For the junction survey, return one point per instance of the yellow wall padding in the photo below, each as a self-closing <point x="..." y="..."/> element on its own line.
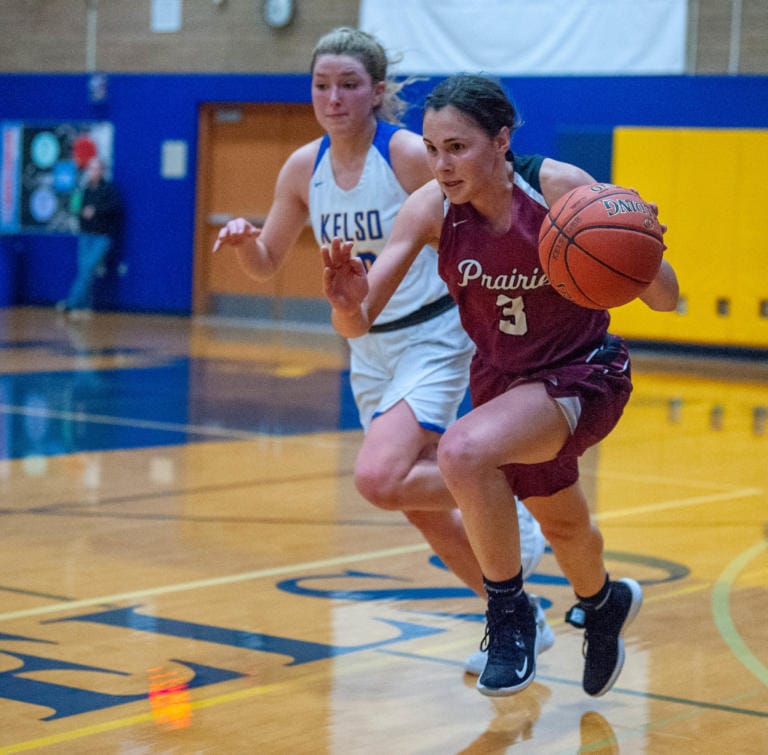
<point x="709" y="185"/>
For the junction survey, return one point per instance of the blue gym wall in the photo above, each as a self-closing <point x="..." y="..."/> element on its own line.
<point x="566" y="117"/>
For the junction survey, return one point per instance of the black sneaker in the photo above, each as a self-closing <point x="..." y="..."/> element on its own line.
<point x="511" y="641"/>
<point x="603" y="645"/>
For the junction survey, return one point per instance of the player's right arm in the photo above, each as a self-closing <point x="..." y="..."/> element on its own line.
<point x="664" y="292"/>
<point x="357" y="299"/>
<point x="558" y="178"/>
<point x="261" y="251"/>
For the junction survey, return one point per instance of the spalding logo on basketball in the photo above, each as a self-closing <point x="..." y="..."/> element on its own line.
<point x="601" y="245"/>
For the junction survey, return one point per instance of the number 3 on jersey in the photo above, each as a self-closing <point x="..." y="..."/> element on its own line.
<point x="513" y="322"/>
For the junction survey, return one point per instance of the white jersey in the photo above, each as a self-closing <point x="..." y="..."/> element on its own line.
<point x="365" y="214"/>
<point x="426" y="363"/>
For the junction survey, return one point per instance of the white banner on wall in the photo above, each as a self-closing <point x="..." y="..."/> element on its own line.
<point x="531" y="37"/>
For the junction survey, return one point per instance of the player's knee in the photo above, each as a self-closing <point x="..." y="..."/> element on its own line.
<point x="378" y="487"/>
<point x="458" y="457"/>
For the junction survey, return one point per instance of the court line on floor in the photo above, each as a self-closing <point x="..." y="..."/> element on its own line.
<point x="292" y="568"/>
<point x="726" y="580"/>
<point x="228" y="697"/>
<point x="317" y="439"/>
<point x="626" y="691"/>
<point x="121" y="723"/>
<point x="143" y="424"/>
<point x="722" y="612"/>
<point x="213" y="581"/>
<point x="660" y="480"/>
<point x="680" y="503"/>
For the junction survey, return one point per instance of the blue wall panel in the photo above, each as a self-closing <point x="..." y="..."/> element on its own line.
<point x="148" y="109"/>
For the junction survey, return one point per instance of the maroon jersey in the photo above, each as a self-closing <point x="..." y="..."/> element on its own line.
<point x="518" y="322"/>
<point x="526" y="332"/>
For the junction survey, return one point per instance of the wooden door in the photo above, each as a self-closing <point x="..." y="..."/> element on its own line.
<point x="241" y="150"/>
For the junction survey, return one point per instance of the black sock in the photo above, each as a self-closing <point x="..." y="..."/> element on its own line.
<point x="509" y="588"/>
<point x="596" y="601"/>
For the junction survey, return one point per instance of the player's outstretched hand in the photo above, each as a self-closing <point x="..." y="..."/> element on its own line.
<point x="235" y="233"/>
<point x="345" y="282"/>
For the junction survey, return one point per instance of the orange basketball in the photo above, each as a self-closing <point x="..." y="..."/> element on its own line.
<point x="601" y="245"/>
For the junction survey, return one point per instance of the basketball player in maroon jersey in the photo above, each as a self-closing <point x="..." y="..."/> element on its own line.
<point x="548" y="381"/>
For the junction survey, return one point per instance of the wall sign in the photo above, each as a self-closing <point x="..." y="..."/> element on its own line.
<point x="41" y="173"/>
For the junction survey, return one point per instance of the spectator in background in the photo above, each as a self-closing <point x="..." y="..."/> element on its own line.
<point x="100" y="215"/>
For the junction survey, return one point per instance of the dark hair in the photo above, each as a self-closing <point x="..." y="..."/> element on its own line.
<point x="345" y="40"/>
<point x="480" y="98"/>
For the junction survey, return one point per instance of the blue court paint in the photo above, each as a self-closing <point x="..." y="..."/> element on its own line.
<point x="299" y="651"/>
<point x="162" y="401"/>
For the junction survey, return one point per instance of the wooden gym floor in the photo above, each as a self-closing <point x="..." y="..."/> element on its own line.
<point x="187" y="568"/>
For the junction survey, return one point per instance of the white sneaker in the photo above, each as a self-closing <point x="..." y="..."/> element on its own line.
<point x="475" y="663"/>
<point x="532" y="542"/>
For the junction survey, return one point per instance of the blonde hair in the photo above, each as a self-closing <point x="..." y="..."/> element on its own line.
<point x="344" y="40"/>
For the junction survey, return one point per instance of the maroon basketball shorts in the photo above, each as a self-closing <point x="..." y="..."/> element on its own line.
<point x="600" y="383"/>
